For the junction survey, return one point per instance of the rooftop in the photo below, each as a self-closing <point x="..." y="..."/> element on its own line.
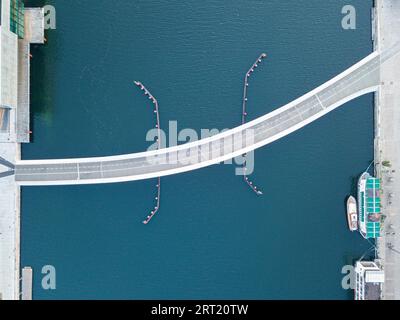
<point x="372" y="291"/>
<point x="371" y="208"/>
<point x="34" y="25"/>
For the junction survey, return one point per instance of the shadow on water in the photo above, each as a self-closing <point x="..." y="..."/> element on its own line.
<point x="42" y="88"/>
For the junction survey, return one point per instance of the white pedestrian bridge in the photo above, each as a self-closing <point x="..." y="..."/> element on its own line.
<point x="360" y="79"/>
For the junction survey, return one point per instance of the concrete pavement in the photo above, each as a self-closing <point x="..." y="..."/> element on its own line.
<point x="9" y="226"/>
<point x="388" y="144"/>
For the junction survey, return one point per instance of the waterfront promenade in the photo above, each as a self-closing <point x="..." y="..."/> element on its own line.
<point x="9" y="227"/>
<point x="387" y="144"/>
<point x="15" y="129"/>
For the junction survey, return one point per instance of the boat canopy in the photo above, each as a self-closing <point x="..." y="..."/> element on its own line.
<point x="371" y="207"/>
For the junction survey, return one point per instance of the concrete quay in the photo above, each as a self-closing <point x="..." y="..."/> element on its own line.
<point x="387" y="141"/>
<point x="9" y="227"/>
<point x="19" y="27"/>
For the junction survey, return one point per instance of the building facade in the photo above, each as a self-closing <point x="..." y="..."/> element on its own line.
<point x="369" y="280"/>
<point x="9" y="72"/>
<point x="15" y="66"/>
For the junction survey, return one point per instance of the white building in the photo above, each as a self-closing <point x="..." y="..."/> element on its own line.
<point x="19" y="27"/>
<point x="369" y="280"/>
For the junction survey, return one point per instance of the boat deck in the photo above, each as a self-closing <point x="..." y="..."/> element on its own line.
<point x="371" y="207"/>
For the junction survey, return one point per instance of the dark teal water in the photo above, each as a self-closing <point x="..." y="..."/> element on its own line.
<point x="213" y="238"/>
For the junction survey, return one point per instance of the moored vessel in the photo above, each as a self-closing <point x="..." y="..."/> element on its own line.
<point x="369" y="206"/>
<point x="352" y="218"/>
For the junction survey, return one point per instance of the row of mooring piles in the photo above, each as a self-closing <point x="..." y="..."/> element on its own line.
<point x="157" y="125"/>
<point x="244" y="118"/>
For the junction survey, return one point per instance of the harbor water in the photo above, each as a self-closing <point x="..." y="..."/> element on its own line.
<point x="213" y="237"/>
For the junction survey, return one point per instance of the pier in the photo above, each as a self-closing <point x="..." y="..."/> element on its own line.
<point x="244" y="117"/>
<point x="158" y="126"/>
<point x="19" y="28"/>
<point x="27" y="278"/>
<point x="386" y="26"/>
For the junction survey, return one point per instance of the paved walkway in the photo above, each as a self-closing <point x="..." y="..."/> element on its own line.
<point x="9" y="225"/>
<point x="388" y="145"/>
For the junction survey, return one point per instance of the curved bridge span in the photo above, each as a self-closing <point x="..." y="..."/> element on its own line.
<point x="360" y="79"/>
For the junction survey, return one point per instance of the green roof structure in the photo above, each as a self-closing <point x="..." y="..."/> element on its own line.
<point x="371" y="207"/>
<point x="17" y="24"/>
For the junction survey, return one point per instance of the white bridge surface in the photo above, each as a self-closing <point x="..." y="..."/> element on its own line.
<point x="360" y="79"/>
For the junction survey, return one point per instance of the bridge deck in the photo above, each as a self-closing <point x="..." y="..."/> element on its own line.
<point x="359" y="79"/>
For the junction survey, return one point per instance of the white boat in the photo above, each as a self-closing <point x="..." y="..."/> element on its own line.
<point x="352" y="218"/>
